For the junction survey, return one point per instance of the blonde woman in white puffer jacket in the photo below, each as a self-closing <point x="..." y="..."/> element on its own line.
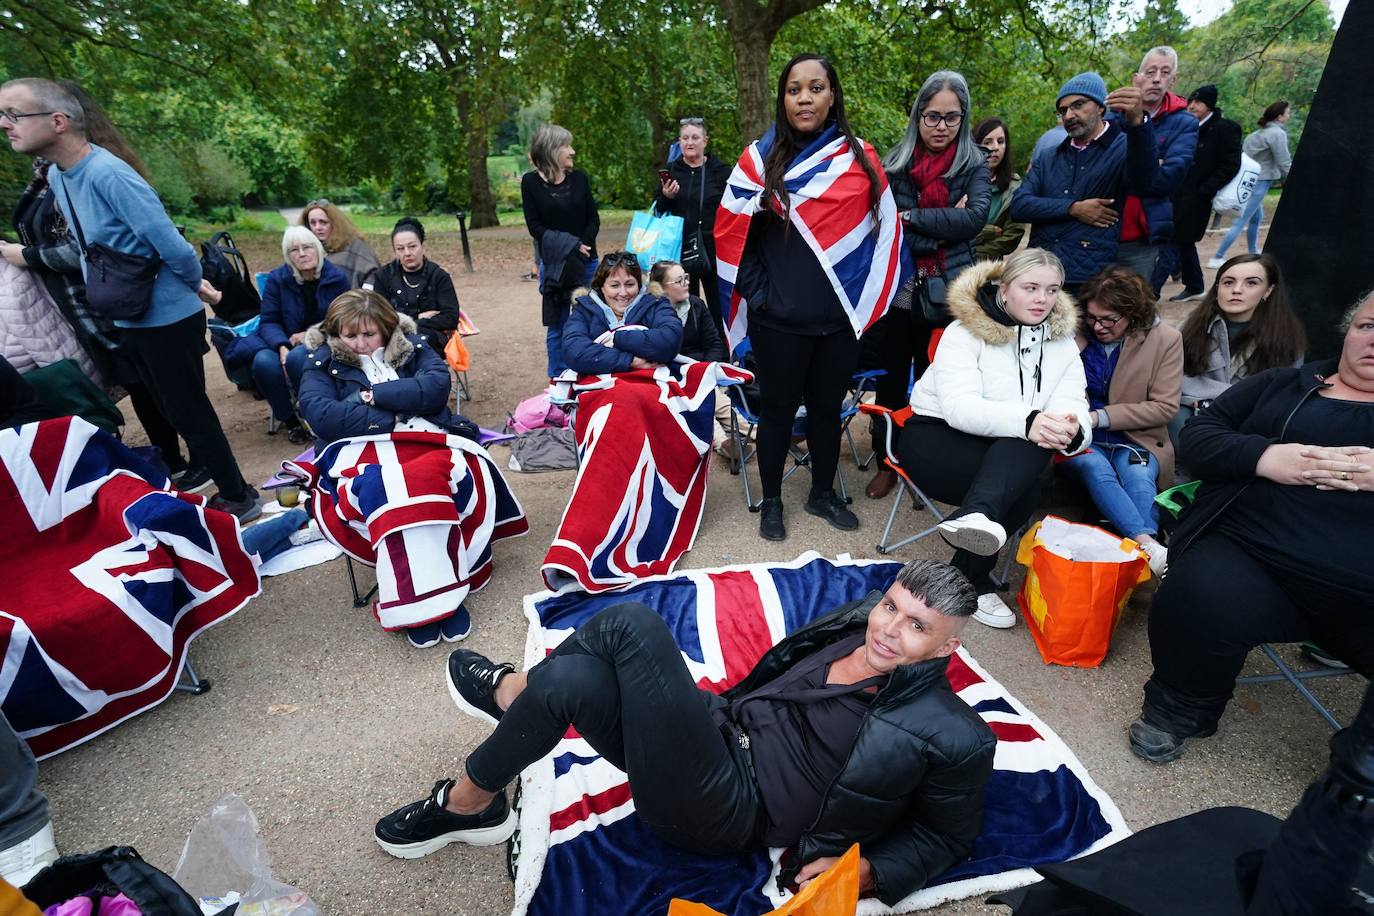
<point x="1004" y="393"/>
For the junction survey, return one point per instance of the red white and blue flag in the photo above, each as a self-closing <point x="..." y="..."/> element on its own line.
<point x="108" y="577"/>
<point x="644" y="452"/>
<point x="584" y="852"/>
<point x="830" y="202"/>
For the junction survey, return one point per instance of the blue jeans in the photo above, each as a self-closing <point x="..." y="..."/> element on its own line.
<point x="1123" y="489"/>
<point x="267" y="375"/>
<point x="553" y="343"/>
<point x="1249" y="220"/>
<point x="273" y="536"/>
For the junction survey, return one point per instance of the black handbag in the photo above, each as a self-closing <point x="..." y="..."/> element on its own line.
<point x="933" y="296"/>
<point x="695" y="257"/>
<point x="119" y="285"/>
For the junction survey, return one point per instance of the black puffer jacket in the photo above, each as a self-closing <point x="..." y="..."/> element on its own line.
<point x="911" y="793"/>
<point x="952" y="227"/>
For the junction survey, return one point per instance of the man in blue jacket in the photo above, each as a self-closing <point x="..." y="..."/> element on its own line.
<point x="118" y="209"/>
<point x="1075" y="190"/>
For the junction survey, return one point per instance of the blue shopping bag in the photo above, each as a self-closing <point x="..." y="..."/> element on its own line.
<point x="655" y="238"/>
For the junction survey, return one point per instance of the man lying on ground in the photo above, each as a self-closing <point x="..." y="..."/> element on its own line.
<point x="845" y="732"/>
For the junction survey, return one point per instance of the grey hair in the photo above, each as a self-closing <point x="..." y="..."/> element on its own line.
<point x="544" y="147"/>
<point x="1027" y="259"/>
<point x="1349" y="317"/>
<point x="1162" y="51"/>
<point x="967" y="154"/>
<point x="50" y="96"/>
<point x="300" y="235"/>
<point x="941" y="587"/>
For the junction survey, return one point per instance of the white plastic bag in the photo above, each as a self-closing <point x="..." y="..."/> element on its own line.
<point x="1232" y="198"/>
<point x="1083" y="543"/>
<point x="223" y="861"/>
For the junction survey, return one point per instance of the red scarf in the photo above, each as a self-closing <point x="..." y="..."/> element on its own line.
<point x="931" y="193"/>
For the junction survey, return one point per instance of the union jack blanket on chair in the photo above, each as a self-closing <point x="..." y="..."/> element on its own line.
<point x="829" y="196"/>
<point x="644" y="451"/>
<point x="424" y="508"/>
<point x="108" y="576"/>
<point x="582" y="851"/>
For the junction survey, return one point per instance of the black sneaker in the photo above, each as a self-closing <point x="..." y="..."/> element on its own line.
<point x="296" y="433"/>
<point x="1158" y="746"/>
<point x="1188" y="295"/>
<point x="472" y="680"/>
<point x="771" y="527"/>
<point x="1322" y="656"/>
<point x="424" y="826"/>
<point x="245" y="509"/>
<point x="834" y="510"/>
<point x="193" y="479"/>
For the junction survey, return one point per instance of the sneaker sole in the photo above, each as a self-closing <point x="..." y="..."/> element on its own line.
<point x="997" y="623"/>
<point x="479" y="836"/>
<point x="209" y="482"/>
<point x="250" y="515"/>
<point x="974" y="540"/>
<point x="833" y="522"/>
<point x="422" y="645"/>
<point x="463" y="704"/>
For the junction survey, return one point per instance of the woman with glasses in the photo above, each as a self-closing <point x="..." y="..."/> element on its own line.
<point x="417" y="287"/>
<point x="563" y="220"/>
<point x="701" y="338"/>
<point x="343" y="243"/>
<point x="1133" y="363"/>
<point x="941" y="186"/>
<point x="695" y="183"/>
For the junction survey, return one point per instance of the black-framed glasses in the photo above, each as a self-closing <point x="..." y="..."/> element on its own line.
<point x="933" y="118"/>
<point x="15" y="117"/>
<point x="1105" y="323"/>
<point x="1075" y="107"/>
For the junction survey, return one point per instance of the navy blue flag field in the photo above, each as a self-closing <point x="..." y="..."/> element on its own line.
<point x="584" y="852"/>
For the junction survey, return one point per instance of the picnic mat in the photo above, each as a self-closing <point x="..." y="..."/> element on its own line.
<point x="581" y="851"/>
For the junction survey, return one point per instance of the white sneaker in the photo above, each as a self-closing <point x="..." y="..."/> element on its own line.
<point x="307" y="535"/>
<point x="993" y="612"/>
<point x="20" y="862"/>
<point x="1214" y="263"/>
<point x="975" y="533"/>
<point x="1159" y="558"/>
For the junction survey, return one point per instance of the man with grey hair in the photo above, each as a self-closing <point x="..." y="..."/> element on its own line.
<point x="846" y="730"/>
<point x="1147" y="219"/>
<point x="115" y="213"/>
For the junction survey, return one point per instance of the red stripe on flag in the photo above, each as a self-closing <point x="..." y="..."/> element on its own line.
<point x="1014" y="731"/>
<point x="600" y="803"/>
<point x="741" y="625"/>
<point x="960" y="675"/>
<point x="49" y="446"/>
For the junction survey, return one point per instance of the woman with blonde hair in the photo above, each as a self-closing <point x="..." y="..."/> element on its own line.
<point x="344" y="245"/>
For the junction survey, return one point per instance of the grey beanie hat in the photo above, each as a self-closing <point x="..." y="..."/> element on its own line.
<point x="1089" y="84"/>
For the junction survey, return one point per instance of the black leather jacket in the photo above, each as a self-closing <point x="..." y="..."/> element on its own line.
<point x="911" y="793"/>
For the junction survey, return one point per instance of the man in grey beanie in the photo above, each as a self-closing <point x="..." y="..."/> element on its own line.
<point x="1074" y="192"/>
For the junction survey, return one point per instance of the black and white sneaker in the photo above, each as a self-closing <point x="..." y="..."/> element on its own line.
<point x="425" y="826"/>
<point x="472" y="681"/>
<point x="193" y="479"/>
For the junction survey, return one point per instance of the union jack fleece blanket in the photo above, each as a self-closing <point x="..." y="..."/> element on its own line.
<point x="108" y="576"/>
<point x="829" y="196"/>
<point x="644" y="451"/>
<point x="422" y="507"/>
<point x="581" y="851"/>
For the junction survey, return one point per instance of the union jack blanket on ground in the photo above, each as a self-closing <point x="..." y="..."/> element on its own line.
<point x="422" y="507"/>
<point x="829" y="195"/>
<point x="108" y="576"/>
<point x="583" y="852"/>
<point x="644" y="450"/>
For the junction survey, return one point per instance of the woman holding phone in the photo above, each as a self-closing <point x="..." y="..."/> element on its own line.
<point x="691" y="187"/>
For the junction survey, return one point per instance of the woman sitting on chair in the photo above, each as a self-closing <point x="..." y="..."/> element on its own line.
<point x="701" y="338"/>
<point x="417" y="287"/>
<point x="1275" y="548"/>
<point x="1134" y="366"/>
<point x="1004" y="392"/>
<point x="376" y="394"/>
<point x="343" y="244"/>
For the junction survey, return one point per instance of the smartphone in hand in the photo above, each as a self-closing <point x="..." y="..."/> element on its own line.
<point x="664" y="176"/>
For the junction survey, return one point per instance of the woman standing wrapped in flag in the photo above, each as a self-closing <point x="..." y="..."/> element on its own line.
<point x="810" y="254"/>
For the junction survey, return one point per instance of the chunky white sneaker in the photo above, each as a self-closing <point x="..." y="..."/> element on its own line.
<point x="20" y="862"/>
<point x="1214" y="263"/>
<point x="1159" y="558"/>
<point x="993" y="612"/>
<point x="975" y="533"/>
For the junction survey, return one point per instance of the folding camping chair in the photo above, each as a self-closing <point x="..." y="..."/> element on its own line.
<point x="459" y="359"/>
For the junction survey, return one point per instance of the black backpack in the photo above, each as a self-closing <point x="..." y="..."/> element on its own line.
<point x="224" y="266"/>
<point x="111" y="871"/>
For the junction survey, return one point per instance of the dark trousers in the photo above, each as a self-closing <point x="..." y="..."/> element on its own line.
<point x="898" y="344"/>
<point x="159" y="429"/>
<point x="169" y="361"/>
<point x="997" y="477"/>
<point x="707" y="286"/>
<point x="1189" y="267"/>
<point x="621" y="682"/>
<point x="23" y="809"/>
<point x="797" y="369"/>
<point x="1217" y="603"/>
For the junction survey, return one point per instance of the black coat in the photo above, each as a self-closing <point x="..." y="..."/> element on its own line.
<point x="701" y="338"/>
<point x="911" y="792"/>
<point x="688" y="204"/>
<point x="1215" y="162"/>
<point x="951" y="228"/>
<point x="436" y="294"/>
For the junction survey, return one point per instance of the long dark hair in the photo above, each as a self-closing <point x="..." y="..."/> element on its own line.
<point x="1273" y="111"/>
<point x="101" y="130"/>
<point x="1274" y="336"/>
<point x="1005" y="171"/>
<point x="787" y="141"/>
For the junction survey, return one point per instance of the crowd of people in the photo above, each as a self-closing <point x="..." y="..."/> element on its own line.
<point x="1015" y="316"/>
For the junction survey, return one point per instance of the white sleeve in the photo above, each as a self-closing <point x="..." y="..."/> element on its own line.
<point x="959" y="391"/>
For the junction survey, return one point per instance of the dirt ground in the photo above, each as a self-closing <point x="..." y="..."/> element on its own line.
<point x="323" y="723"/>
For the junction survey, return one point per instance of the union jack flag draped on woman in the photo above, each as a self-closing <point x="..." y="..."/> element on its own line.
<point x="831" y="208"/>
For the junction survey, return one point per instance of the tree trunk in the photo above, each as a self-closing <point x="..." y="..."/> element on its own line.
<point x="753" y="24"/>
<point x="476" y="129"/>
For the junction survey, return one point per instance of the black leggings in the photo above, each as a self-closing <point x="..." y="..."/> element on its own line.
<point x="621" y="682"/>
<point x="1217" y="603"/>
<point x="796" y="369"/>
<point x="997" y="477"/>
<point x="896" y="344"/>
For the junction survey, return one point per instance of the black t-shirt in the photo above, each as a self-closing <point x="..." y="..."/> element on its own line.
<point x="1317" y="540"/>
<point x="801" y="731"/>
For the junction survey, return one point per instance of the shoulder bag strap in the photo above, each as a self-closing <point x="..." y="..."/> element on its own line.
<point x="76" y="223"/>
